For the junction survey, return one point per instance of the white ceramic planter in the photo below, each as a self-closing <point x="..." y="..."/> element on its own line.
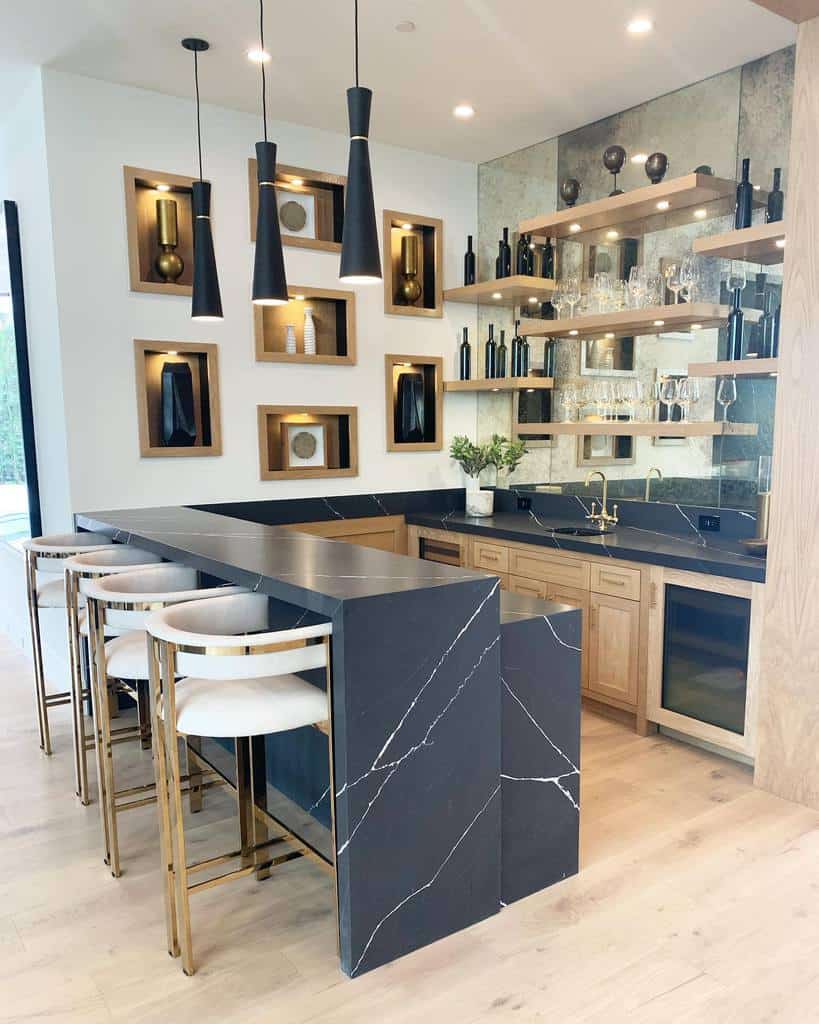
<point x="479" y="503"/>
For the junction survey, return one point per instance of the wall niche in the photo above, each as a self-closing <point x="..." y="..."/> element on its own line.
<point x="413" y="257"/>
<point x="297" y="442"/>
<point x="310" y="203"/>
<point x="333" y="317"/>
<point x="160" y="231"/>
<point x="415" y="408"/>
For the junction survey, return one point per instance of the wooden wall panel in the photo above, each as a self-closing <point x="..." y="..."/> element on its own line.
<point x="787" y="760"/>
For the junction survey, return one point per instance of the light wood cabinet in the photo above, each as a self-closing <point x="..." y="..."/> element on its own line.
<point x="492" y="557"/>
<point x="387" y="533"/>
<point x="614" y="648"/>
<point x="564" y="571"/>
<point x="616" y="581"/>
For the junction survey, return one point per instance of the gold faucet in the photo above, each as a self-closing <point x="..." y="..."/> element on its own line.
<point x="602" y="518"/>
<point x="659" y="472"/>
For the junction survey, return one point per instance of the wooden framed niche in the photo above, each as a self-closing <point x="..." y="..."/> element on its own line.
<point x="334" y="319"/>
<point x="142" y="190"/>
<point x="428" y="259"/>
<point x="202" y="360"/>
<point x="321" y="198"/>
<point x="415" y="403"/>
<point x="333" y="428"/>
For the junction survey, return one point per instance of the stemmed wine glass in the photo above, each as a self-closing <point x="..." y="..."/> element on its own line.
<point x="637" y="287"/>
<point x="672" y="280"/>
<point x="690" y="275"/>
<point x="727" y="395"/>
<point x="688" y="393"/>
<point x="737" y="280"/>
<point x="559" y="299"/>
<point x="571" y="399"/>
<point x="654" y="398"/>
<point x="572" y="293"/>
<point x="668" y="394"/>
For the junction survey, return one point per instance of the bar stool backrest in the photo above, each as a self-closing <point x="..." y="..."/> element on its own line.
<point x="50" y="553"/>
<point x="109" y="561"/>
<point x="126" y="599"/>
<point x="227" y="638"/>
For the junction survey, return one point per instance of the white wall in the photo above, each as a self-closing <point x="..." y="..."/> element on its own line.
<point x="92" y="130"/>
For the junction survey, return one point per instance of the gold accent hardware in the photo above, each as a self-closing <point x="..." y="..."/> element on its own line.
<point x="601" y="518"/>
<point x="659" y="472"/>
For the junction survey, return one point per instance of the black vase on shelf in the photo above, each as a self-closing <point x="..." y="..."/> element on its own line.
<point x="490" y="356"/>
<point x="409" y="408"/>
<point x="613" y="159"/>
<point x="500" y="356"/>
<point x="745" y="198"/>
<point x="655" y="167"/>
<point x="469" y="262"/>
<point x="735" y="328"/>
<point x="465" y="358"/>
<point x="176" y="393"/>
<point x="570" y="191"/>
<point x="776" y="199"/>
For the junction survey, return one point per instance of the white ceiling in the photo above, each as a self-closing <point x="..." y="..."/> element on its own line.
<point x="531" y="68"/>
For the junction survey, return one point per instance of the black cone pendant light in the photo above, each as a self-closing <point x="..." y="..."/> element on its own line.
<point x="269" y="282"/>
<point x="360" y="257"/>
<point x="207" y="302"/>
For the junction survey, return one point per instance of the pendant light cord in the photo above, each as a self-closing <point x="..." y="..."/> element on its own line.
<point x="264" y="80"/>
<point x="356" y="43"/>
<point x="198" y="120"/>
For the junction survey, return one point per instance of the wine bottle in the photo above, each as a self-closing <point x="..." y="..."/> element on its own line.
<point x="525" y="353"/>
<point x="469" y="262"/>
<point x="549" y="358"/>
<point x="745" y="198"/>
<point x="522" y="256"/>
<point x="499" y="260"/>
<point x="776" y="199"/>
<point x="768" y="324"/>
<point x="547" y="265"/>
<point x="530" y="256"/>
<point x="465" y="357"/>
<point x="547" y="311"/>
<point x="514" y="366"/>
<point x="735" y="328"/>
<point x="490" y="358"/>
<point x="507" y="254"/>
<point x="500" y="357"/>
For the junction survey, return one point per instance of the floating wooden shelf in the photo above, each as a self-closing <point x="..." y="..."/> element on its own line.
<point x="297" y="442"/>
<point x="505" y="385"/>
<point x="635" y="213"/>
<point x="415" y="407"/>
<point x="320" y="193"/>
<point x="203" y="398"/>
<point x="623" y="428"/>
<point x="517" y="290"/>
<point x="334" y="319"/>
<point x="428" y="233"/>
<point x="630" y="322"/>
<point x="735" y="368"/>
<point x="760" y="243"/>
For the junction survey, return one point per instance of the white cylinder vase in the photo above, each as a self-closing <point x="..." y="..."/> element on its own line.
<point x="309" y="332"/>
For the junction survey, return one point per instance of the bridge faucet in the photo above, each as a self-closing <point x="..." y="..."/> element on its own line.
<point x="602" y="518"/>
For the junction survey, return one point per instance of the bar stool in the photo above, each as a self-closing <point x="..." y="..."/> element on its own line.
<point x="45" y="588"/>
<point x="120" y="604"/>
<point x="238" y="683"/>
<point x="79" y="569"/>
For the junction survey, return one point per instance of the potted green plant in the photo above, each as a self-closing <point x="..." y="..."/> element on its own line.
<point x="505" y="456"/>
<point x="474" y="458"/>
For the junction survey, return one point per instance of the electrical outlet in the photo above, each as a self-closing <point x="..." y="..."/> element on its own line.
<point x="524" y="504"/>
<point x="709" y="523"/>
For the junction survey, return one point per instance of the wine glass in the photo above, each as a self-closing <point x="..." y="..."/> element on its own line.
<point x="672" y="280"/>
<point x="570" y="399"/>
<point x="727" y="395"/>
<point x="690" y="275"/>
<point x="737" y="279"/>
<point x="654" y="288"/>
<point x="688" y="391"/>
<point x="637" y="287"/>
<point x="638" y="399"/>
<point x="572" y="293"/>
<point x="668" y="394"/>
<point x="559" y="298"/>
<point x="654" y="398"/>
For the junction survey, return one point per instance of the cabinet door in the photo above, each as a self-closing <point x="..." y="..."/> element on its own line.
<point x="528" y="588"/>
<point x="614" y="638"/>
<point x="577" y="599"/>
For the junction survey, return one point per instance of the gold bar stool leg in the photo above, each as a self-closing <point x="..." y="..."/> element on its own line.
<point x="195" y="791"/>
<point x="143" y="714"/>
<point x="258" y="799"/>
<point x="98" y="711"/>
<point x="77" y="717"/>
<point x="106" y="748"/>
<point x="37" y="651"/>
<point x="175" y="784"/>
<point x="244" y="798"/>
<point x="162" y="800"/>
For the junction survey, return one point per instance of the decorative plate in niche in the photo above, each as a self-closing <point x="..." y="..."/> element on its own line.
<point x="304" y="445"/>
<point x="293" y="215"/>
<point x="297" y="213"/>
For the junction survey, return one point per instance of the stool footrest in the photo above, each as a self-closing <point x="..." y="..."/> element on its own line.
<point x="212" y="862"/>
<point x="250" y="869"/>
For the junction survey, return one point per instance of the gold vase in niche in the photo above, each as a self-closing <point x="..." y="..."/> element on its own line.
<point x="169" y="264"/>
<point x="409" y="289"/>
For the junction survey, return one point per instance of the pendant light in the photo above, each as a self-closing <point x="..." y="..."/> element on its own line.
<point x="269" y="281"/>
<point x="207" y="302"/>
<point x="360" y="257"/>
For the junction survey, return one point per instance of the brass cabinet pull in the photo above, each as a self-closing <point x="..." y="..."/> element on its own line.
<point x="616" y="580"/>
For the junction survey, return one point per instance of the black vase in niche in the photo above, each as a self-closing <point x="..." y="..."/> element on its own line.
<point x="656" y="166"/>
<point x="409" y="408"/>
<point x="613" y="159"/>
<point x="176" y="393"/>
<point x="570" y="191"/>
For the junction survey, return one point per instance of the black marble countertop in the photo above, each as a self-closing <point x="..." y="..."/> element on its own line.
<point x="314" y="572"/>
<point x="629" y="543"/>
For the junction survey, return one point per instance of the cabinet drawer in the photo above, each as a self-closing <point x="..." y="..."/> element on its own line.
<point x="490" y="556"/>
<point x="565" y="572"/>
<point x="616" y="581"/>
<point x="528" y="588"/>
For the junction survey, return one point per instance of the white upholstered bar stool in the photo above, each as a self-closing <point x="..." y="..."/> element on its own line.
<point x="218" y="671"/>
<point x="121" y="604"/>
<point x="79" y="569"/>
<point x="45" y="559"/>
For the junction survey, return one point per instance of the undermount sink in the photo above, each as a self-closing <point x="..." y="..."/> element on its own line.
<point x="581" y="531"/>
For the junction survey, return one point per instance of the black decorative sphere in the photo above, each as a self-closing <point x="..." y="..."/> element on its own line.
<point x="656" y="166"/>
<point x="570" y="191"/>
<point x="614" y="158"/>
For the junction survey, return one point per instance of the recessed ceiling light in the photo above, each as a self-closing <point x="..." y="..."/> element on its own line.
<point x="297" y="181"/>
<point x="610" y="334"/>
<point x="757" y="188"/>
<point x="299" y="298"/>
<point x="639" y="26"/>
<point x="530" y="391"/>
<point x="171" y="352"/>
<point x="696" y="327"/>
<point x="780" y="243"/>
<point x="663" y="204"/>
<point x="659" y="323"/>
<point x="533" y="299"/>
<point x="573" y="333"/>
<point x="700" y="214"/>
<point x="163" y="188"/>
<point x="574" y="228"/>
<point x="464" y="111"/>
<point x="405" y="26"/>
<point x="496" y="389"/>
<point x="639" y="158"/>
<point x="406" y="227"/>
<point x="257" y="55"/>
<point x="612" y="234"/>
<point x="496" y="295"/>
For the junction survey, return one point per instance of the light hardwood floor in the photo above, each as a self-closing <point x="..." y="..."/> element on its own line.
<point x="698" y="900"/>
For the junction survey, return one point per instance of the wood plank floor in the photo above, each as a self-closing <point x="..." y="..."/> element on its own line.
<point x="698" y="900"/>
